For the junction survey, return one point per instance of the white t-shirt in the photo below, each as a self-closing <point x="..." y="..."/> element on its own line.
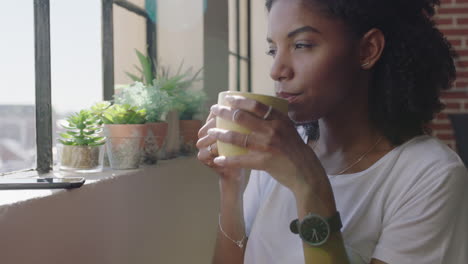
<point x="411" y="207"/>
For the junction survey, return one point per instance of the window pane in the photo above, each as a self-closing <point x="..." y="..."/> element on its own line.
<point x="180" y="34"/>
<point x="75" y="56"/>
<point x="17" y="110"/>
<point x="129" y="34"/>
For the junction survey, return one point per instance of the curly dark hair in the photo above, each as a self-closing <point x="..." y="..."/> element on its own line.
<point x="416" y="65"/>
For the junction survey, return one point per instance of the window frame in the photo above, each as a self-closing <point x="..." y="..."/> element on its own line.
<point x="248" y="38"/>
<point x="42" y="51"/>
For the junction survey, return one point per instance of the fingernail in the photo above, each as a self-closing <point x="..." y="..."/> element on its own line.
<point x="219" y="160"/>
<point x="214" y="109"/>
<point x="229" y="99"/>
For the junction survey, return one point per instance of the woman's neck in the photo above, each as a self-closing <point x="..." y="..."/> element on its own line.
<point x="346" y="138"/>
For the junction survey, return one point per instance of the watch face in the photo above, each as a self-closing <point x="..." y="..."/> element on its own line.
<point x="314" y="230"/>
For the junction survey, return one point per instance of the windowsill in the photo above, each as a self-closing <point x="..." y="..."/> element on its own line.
<point x="8" y="197"/>
<point x="146" y="215"/>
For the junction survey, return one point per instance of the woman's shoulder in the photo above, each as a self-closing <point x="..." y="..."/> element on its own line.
<point x="426" y="149"/>
<point x="425" y="160"/>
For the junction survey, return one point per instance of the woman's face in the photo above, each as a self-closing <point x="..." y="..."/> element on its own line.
<point x="316" y="62"/>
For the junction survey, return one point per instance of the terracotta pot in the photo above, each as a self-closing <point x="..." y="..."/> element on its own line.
<point x="189" y="135"/>
<point x="124" y="145"/>
<point x="172" y="146"/>
<point x="154" y="142"/>
<point x="157" y="130"/>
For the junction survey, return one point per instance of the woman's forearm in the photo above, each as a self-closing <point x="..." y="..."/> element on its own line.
<point x="332" y="252"/>
<point x="232" y="223"/>
<point x="323" y="204"/>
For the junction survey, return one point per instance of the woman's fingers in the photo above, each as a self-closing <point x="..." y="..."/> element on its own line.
<point x="253" y="160"/>
<point x="252" y="141"/>
<point x="258" y="109"/>
<point x="210" y="122"/>
<point x="208" y="142"/>
<point x="239" y="116"/>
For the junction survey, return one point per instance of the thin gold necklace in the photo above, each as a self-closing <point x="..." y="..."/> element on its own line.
<point x="359" y="159"/>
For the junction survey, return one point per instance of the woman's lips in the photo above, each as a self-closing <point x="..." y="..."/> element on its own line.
<point x="291" y="97"/>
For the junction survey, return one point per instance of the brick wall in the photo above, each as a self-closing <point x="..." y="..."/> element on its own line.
<point x="452" y="19"/>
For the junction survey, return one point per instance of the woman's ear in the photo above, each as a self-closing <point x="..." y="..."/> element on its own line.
<point x="371" y="48"/>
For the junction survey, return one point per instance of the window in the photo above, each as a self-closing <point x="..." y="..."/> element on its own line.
<point x="76" y="61"/>
<point x="59" y="58"/>
<point x="17" y="102"/>
<point x="240" y="73"/>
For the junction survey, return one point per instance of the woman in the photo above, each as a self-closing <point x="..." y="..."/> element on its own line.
<point x="363" y="80"/>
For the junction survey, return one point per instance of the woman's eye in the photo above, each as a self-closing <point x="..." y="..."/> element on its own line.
<point x="271" y="52"/>
<point x="302" y="46"/>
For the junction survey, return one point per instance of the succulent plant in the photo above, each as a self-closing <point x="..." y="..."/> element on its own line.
<point x="147" y="69"/>
<point x="124" y="114"/>
<point x="156" y="101"/>
<point x="159" y="79"/>
<point x="98" y="110"/>
<point x="192" y="102"/>
<point x="82" y="129"/>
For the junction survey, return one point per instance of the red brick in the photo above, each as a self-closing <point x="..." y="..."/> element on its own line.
<point x="462" y="53"/>
<point x="444" y="21"/>
<point x="461" y="1"/>
<point x="462" y="64"/>
<point x="456" y="42"/>
<point x="453" y="10"/>
<point x="462" y="21"/>
<point x="452" y="95"/>
<point x="466" y="105"/>
<point x="460" y="85"/>
<point x="441" y="126"/>
<point x="455" y="32"/>
<point x="445" y="136"/>
<point x="452" y="106"/>
<point x="462" y="74"/>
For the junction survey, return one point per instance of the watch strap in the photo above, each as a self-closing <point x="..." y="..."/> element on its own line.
<point x="334" y="222"/>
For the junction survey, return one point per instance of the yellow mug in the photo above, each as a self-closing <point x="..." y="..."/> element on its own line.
<point x="226" y="149"/>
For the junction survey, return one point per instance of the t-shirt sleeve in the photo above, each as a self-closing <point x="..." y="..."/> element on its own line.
<point x="424" y="226"/>
<point x="252" y="200"/>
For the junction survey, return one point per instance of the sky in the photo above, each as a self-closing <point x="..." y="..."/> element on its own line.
<point x="76" y="53"/>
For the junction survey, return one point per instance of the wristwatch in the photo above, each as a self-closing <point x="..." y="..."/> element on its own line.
<point x="314" y="229"/>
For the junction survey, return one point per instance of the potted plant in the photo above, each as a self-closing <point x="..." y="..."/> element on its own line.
<point x="98" y="110"/>
<point x="155" y="102"/>
<point x="178" y="102"/>
<point x="125" y="131"/>
<point x="81" y="148"/>
<point x="193" y="106"/>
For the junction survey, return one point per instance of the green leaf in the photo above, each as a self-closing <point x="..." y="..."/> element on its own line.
<point x="66" y="135"/>
<point x="89" y="133"/>
<point x="95" y="144"/>
<point x="133" y="77"/>
<point x="68" y="143"/>
<point x="99" y="139"/>
<point x="146" y="66"/>
<point x="139" y="70"/>
<point x="72" y="133"/>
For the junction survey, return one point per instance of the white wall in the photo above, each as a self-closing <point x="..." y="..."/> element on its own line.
<point x="163" y="214"/>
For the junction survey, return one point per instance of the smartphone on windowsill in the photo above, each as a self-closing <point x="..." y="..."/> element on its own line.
<point x="41" y="183"/>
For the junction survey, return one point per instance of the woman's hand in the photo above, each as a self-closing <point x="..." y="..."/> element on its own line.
<point x="274" y="144"/>
<point x="208" y="150"/>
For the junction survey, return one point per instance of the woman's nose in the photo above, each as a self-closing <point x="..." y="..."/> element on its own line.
<point x="281" y="69"/>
